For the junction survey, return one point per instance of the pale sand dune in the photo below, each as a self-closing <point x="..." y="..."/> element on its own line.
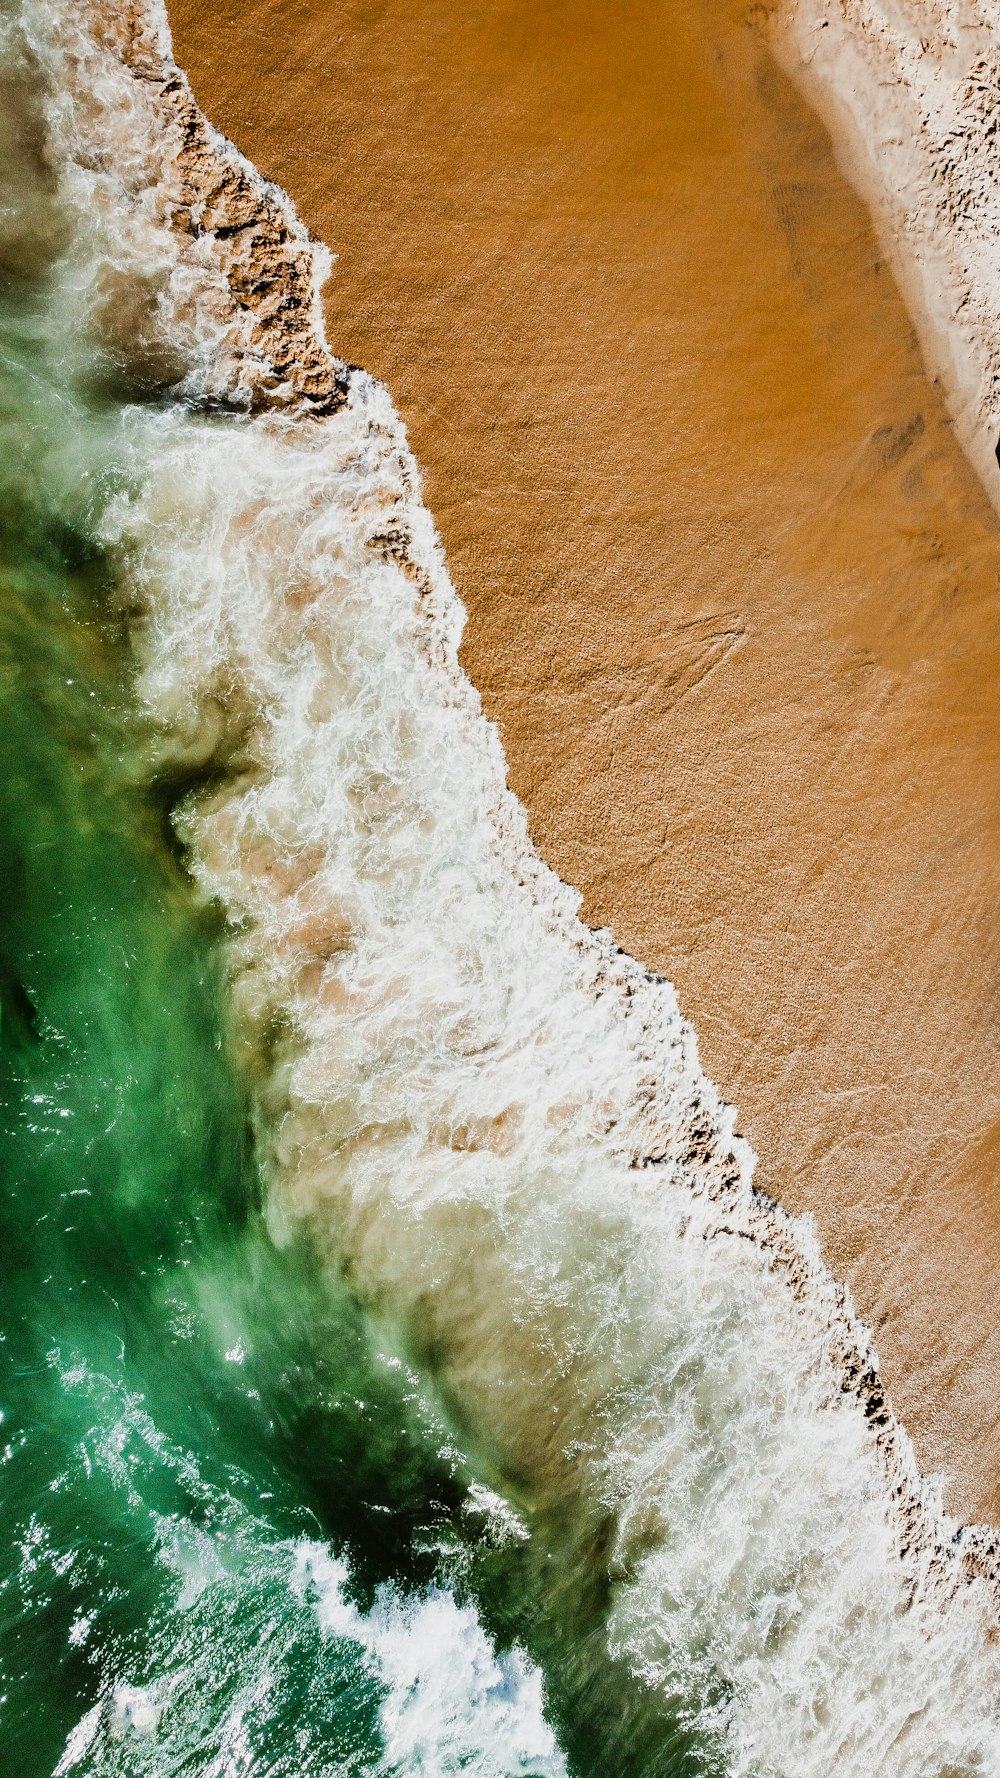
<point x="733" y="588"/>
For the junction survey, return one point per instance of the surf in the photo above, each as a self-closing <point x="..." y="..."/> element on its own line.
<point x="481" y="1115"/>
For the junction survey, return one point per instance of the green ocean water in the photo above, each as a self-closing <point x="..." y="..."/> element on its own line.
<point x="133" y="1254"/>
<point x="141" y="1464"/>
<point x="245" y="1530"/>
<point x="195" y="1424"/>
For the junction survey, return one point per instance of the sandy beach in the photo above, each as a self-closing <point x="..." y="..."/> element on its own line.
<point x="909" y="98"/>
<point x="732" y="585"/>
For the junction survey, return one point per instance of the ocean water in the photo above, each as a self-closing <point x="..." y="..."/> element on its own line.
<point x="236" y="1536"/>
<point x="400" y="1373"/>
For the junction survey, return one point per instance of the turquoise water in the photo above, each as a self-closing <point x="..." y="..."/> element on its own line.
<point x="181" y="1402"/>
<point x="196" y="1424"/>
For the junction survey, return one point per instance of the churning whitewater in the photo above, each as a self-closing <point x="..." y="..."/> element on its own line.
<point x="488" y="1119"/>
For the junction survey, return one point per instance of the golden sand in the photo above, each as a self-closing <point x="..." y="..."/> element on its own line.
<point x="732" y="586"/>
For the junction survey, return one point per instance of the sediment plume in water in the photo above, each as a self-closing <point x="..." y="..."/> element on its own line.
<point x="487" y="1117"/>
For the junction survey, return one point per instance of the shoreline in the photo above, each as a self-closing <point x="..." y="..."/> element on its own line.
<point x="784" y="677"/>
<point x="553" y="1069"/>
<point x="488" y="1119"/>
<point x="941" y="1553"/>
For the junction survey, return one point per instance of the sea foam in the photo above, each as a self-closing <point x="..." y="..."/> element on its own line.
<point x="246" y="1605"/>
<point x="490" y="1118"/>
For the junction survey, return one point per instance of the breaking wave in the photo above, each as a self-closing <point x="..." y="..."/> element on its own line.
<point x="488" y="1118"/>
<point x="410" y="1685"/>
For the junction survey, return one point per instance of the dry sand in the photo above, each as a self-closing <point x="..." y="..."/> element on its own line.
<point x="732" y="585"/>
<point x="910" y="94"/>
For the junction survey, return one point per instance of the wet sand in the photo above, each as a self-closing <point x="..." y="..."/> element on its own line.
<point x="732" y="586"/>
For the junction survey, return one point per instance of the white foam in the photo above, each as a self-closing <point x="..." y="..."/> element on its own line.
<point x="451" y="1703"/>
<point x="79" y="1741"/>
<point x="495" y="1122"/>
<point x="216" y="1652"/>
<point x="447" y="1702"/>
